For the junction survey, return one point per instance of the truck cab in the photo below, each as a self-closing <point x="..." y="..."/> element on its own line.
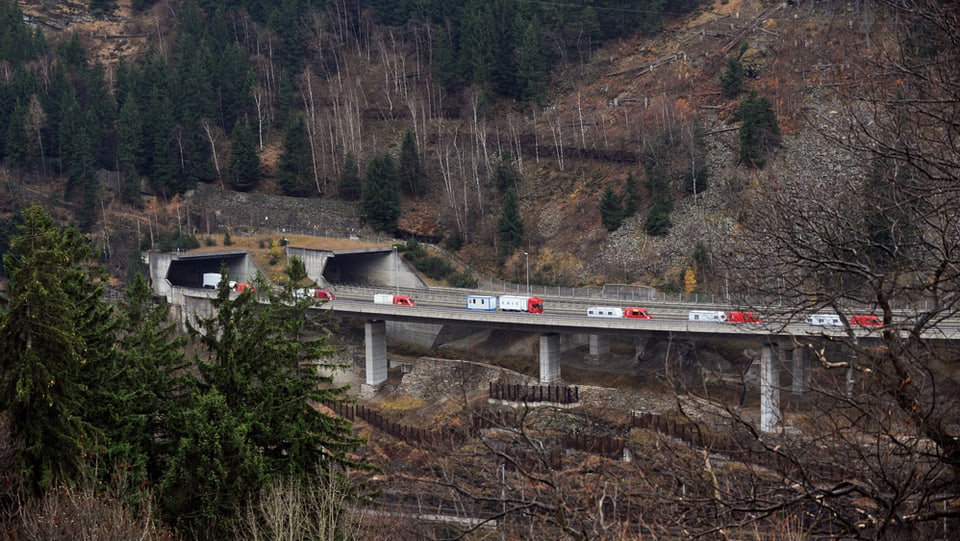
<point x="634" y="312"/>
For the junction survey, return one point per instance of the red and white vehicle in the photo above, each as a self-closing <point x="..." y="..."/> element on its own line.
<point x="311" y="293"/>
<point x="400" y="300"/>
<point x="513" y="303"/>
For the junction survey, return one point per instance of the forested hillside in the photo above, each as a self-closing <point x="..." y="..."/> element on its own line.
<point x="428" y="108"/>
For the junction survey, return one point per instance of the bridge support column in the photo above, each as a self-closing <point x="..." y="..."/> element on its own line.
<point x="599" y="344"/>
<point x="769" y="389"/>
<point x="549" y="357"/>
<point x="375" y="342"/>
<point x="801" y="370"/>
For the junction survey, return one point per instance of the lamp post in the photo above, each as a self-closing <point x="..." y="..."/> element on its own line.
<point x="526" y="258"/>
<point x="396" y="268"/>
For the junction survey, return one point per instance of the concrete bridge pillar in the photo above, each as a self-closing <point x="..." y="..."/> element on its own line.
<point x="375" y="342"/>
<point x="770" y="420"/>
<point x="549" y="357"/>
<point x="801" y="370"/>
<point x="599" y="344"/>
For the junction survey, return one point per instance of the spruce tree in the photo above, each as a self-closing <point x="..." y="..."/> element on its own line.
<point x="381" y="195"/>
<point x="731" y="78"/>
<point x="45" y="339"/>
<point x="147" y="384"/>
<point x="531" y="64"/>
<point x="759" y="131"/>
<point x="244" y="167"/>
<point x="510" y="226"/>
<point x="295" y="160"/>
<point x="130" y="148"/>
<point x="611" y="209"/>
<point x="253" y="413"/>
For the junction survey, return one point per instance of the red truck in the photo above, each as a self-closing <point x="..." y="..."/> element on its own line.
<point x="636" y="313"/>
<point x="401" y="300"/>
<point x="743" y="317"/>
<point x="865" y="320"/>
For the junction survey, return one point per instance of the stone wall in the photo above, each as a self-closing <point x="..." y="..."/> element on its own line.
<point x="433" y="377"/>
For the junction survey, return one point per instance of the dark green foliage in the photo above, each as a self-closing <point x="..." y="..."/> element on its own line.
<point x="531" y="63"/>
<point x="658" y="222"/>
<point x="611" y="209"/>
<point x="510" y="226"/>
<point x="176" y="241"/>
<point x="244" y="168"/>
<point x="17" y="42"/>
<point x="15" y="141"/>
<point x="213" y="468"/>
<point x="251" y="415"/>
<point x="381" y="195"/>
<point x="53" y="288"/>
<point x="444" y="63"/>
<point x="433" y="266"/>
<point x="145" y="389"/>
<point x="227" y="238"/>
<point x="102" y="7"/>
<point x="412" y="180"/>
<point x="130" y="147"/>
<point x="759" y="132"/>
<point x="731" y="78"/>
<point x="295" y="170"/>
<point x="350" y="185"/>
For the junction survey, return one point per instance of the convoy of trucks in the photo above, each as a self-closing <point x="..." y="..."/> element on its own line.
<point x="534" y="305"/>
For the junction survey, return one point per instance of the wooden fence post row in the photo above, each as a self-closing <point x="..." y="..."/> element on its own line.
<point x="534" y="393"/>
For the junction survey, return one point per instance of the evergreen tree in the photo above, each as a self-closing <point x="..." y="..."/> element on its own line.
<point x="254" y="415"/>
<point x="130" y="148"/>
<point x="611" y="209"/>
<point x="213" y="468"/>
<point x="731" y="78"/>
<point x="381" y="194"/>
<point x="244" y="167"/>
<point x="411" y="171"/>
<point x="658" y="222"/>
<point x="759" y="131"/>
<point x="478" y="43"/>
<point x="531" y="64"/>
<point x="45" y="347"/>
<point x="17" y="43"/>
<point x="443" y="64"/>
<point x="147" y="384"/>
<point x="510" y="225"/>
<point x="15" y="141"/>
<point x="350" y="185"/>
<point x="295" y="171"/>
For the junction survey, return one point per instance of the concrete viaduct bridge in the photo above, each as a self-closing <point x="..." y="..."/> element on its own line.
<point x="440" y="315"/>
